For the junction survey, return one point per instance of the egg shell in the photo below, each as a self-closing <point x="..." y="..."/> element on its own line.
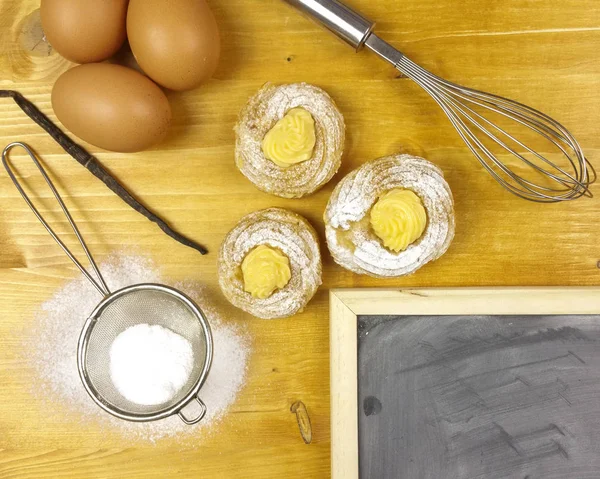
<point x="84" y="31"/>
<point x="111" y="106"/>
<point x="175" y="42"/>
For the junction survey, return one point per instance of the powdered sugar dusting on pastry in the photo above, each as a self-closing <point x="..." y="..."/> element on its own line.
<point x="351" y="240"/>
<point x="290" y="233"/>
<point x="261" y="113"/>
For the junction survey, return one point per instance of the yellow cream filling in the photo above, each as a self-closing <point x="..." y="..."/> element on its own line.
<point x="292" y="139"/>
<point x="398" y="219"/>
<point x="265" y="269"/>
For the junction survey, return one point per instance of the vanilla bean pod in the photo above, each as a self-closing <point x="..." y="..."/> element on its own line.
<point x="91" y="163"/>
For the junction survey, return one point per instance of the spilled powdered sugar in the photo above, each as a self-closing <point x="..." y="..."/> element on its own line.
<point x="52" y="349"/>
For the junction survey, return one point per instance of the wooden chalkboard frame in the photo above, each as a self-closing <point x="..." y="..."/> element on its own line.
<point x="347" y="304"/>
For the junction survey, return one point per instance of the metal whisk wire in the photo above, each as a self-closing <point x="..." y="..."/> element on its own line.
<point x="455" y="101"/>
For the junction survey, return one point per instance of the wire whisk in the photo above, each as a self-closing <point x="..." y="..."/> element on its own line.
<point x="559" y="181"/>
<point x="484" y="121"/>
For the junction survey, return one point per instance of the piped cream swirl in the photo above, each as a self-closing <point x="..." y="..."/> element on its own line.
<point x="265" y="269"/>
<point x="398" y="218"/>
<point x="291" y="140"/>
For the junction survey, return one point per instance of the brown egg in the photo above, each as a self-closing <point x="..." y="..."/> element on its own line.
<point x="111" y="106"/>
<point x="84" y="31"/>
<point x="176" y="43"/>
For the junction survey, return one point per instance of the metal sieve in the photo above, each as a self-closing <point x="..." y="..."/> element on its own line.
<point x="152" y="304"/>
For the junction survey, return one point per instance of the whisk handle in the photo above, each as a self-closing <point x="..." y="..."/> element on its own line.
<point x="347" y="24"/>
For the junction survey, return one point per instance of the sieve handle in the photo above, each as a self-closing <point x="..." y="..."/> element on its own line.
<point x="99" y="284"/>
<point x="198" y="418"/>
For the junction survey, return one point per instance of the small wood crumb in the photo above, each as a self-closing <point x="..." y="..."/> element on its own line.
<point x="303" y="421"/>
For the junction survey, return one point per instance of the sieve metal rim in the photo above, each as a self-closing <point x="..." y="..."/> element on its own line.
<point x="165" y="412"/>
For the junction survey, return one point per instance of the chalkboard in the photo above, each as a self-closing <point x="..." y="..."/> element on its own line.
<point x="467" y="397"/>
<point x="466" y="383"/>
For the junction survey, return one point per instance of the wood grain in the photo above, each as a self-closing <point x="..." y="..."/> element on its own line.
<point x="543" y="55"/>
<point x="344" y="387"/>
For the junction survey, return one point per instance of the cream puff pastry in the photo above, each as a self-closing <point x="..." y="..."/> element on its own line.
<point x="390" y="217"/>
<point x="270" y="263"/>
<point x="289" y="139"/>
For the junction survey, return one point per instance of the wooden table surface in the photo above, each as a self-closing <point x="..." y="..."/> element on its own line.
<point x="543" y="53"/>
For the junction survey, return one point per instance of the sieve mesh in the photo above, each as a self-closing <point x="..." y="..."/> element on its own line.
<point x="142" y="304"/>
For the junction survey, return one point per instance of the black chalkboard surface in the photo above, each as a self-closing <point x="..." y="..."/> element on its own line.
<point x="457" y="383"/>
<point x="467" y="397"/>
